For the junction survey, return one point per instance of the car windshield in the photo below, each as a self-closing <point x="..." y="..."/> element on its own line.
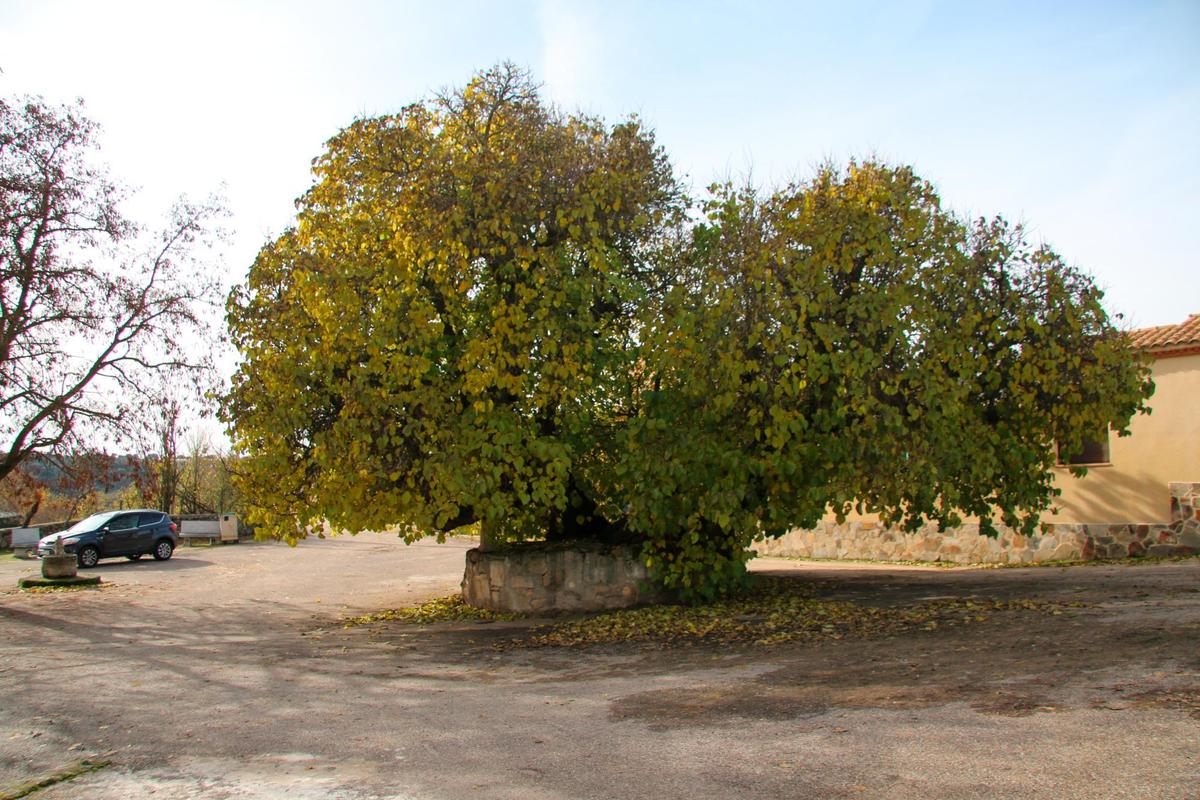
<point x="91" y="523"/>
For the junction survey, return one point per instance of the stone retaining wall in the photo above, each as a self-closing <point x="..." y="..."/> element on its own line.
<point x="538" y="577"/>
<point x="965" y="545"/>
<point x="1185" y="502"/>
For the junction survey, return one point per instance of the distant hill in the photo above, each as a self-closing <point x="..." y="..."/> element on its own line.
<point x="113" y="474"/>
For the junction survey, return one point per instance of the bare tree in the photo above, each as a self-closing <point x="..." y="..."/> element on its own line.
<point x="97" y="318"/>
<point x="157" y="474"/>
<point x="198" y="444"/>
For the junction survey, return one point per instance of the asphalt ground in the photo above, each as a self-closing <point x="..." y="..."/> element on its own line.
<point x="226" y="673"/>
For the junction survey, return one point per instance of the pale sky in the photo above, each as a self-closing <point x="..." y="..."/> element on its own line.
<point x="1081" y="119"/>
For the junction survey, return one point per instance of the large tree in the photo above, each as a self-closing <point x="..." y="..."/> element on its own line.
<point x="96" y="316"/>
<point x="848" y="344"/>
<point x="489" y="311"/>
<point x="448" y="331"/>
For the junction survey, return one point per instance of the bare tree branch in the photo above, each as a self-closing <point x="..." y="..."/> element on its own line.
<point x="91" y="316"/>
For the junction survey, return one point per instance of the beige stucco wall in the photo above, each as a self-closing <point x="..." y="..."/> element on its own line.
<point x="1164" y="446"/>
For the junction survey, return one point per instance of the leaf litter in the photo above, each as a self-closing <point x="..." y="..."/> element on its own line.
<point x="772" y="611"/>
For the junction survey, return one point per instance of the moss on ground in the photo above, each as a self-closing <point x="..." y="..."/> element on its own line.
<point x="20" y="554"/>
<point x="68" y="773"/>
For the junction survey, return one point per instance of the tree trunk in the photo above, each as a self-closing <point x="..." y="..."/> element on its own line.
<point x="33" y="509"/>
<point x="581" y="519"/>
<point x="487" y="535"/>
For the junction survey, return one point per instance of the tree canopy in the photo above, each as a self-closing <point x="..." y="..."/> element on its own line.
<point x="489" y="311"/>
<point x="846" y="344"/>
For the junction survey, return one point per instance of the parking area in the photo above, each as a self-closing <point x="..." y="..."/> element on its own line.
<point x="354" y="572"/>
<point x="226" y="673"/>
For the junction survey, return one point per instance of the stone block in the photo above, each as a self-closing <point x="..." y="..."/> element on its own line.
<point x="1022" y="556"/>
<point x="535" y="578"/>
<point x="63" y="566"/>
<point x="1065" y="551"/>
<point x="521" y="580"/>
<point x="538" y="565"/>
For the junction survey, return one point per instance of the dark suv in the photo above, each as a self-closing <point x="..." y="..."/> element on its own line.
<point x="132" y="534"/>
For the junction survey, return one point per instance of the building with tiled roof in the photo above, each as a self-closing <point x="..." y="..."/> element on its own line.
<point x="1169" y="340"/>
<point x="1140" y="496"/>
<point x="1128" y="475"/>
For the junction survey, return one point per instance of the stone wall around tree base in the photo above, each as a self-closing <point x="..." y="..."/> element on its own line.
<point x="872" y="541"/>
<point x="537" y="577"/>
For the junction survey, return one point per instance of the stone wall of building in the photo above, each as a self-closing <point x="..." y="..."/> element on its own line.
<point x="965" y="545"/>
<point x="536" y="577"/>
<point x="1185" y="503"/>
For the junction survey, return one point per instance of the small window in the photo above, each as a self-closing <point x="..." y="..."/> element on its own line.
<point x="1092" y="452"/>
<point x="151" y="518"/>
<point x="123" y="522"/>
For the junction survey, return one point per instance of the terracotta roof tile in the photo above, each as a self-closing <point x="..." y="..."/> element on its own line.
<point x="1163" y="338"/>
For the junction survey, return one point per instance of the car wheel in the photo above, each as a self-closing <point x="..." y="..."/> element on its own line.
<point x="163" y="550"/>
<point x="88" y="556"/>
<point x="135" y="556"/>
